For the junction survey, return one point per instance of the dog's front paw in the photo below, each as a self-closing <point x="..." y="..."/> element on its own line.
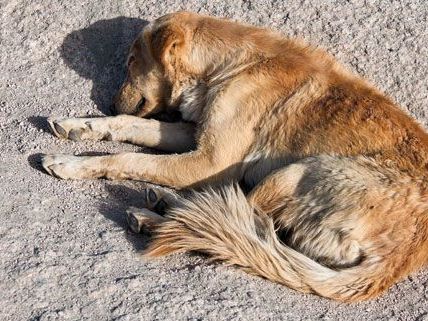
<point x="78" y="129"/>
<point x="66" y="166"/>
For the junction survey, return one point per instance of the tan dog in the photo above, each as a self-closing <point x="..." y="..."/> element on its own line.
<point x="339" y="199"/>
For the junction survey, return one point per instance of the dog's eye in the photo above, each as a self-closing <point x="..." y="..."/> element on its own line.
<point x="141" y="104"/>
<point x="130" y="60"/>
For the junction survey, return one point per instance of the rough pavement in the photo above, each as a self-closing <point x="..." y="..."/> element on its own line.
<point x="64" y="250"/>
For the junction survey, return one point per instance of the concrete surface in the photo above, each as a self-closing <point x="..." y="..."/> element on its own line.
<point x="64" y="250"/>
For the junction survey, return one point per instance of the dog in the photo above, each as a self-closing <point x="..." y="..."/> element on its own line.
<point x="336" y="200"/>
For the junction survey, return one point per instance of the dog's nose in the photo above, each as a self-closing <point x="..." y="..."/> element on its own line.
<point x="112" y="109"/>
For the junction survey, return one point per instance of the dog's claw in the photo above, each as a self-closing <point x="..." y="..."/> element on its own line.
<point x="152" y="197"/>
<point x="60" y="130"/>
<point x="133" y="222"/>
<point x="45" y="164"/>
<point x="56" y="129"/>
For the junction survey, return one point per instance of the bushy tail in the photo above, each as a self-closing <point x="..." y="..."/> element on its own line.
<point x="223" y="225"/>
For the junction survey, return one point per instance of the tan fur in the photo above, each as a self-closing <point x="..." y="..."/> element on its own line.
<point x="339" y="199"/>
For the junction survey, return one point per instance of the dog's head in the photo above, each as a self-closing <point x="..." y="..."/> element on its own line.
<point x="172" y="53"/>
<point x="155" y="66"/>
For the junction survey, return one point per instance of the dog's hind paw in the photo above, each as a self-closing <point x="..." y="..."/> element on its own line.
<point x="142" y="220"/>
<point x="159" y="199"/>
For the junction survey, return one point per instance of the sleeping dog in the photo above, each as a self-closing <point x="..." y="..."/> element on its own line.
<point x="337" y="173"/>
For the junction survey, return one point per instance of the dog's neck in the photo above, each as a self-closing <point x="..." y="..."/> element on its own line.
<point x="193" y="95"/>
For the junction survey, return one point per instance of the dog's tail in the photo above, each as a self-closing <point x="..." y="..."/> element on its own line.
<point x="223" y="225"/>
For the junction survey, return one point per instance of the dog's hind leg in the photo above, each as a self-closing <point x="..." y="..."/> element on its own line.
<point x="314" y="205"/>
<point x="170" y="137"/>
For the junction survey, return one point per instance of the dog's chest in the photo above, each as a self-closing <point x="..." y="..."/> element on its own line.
<point x="192" y="103"/>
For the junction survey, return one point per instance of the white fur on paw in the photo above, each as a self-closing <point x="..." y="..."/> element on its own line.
<point x="64" y="166"/>
<point x="76" y="129"/>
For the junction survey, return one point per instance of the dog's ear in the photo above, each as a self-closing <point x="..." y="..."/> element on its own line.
<point x="167" y="43"/>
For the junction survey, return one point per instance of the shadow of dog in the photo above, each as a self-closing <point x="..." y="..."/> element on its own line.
<point x="98" y="52"/>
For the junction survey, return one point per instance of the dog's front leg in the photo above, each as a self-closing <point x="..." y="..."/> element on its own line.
<point x="221" y="148"/>
<point x="169" y="137"/>
<point x="226" y="136"/>
<point x="182" y="170"/>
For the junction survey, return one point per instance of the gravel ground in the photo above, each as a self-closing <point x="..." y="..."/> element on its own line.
<point x="65" y="251"/>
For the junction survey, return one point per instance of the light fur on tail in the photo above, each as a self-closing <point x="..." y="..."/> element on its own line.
<point x="222" y="224"/>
